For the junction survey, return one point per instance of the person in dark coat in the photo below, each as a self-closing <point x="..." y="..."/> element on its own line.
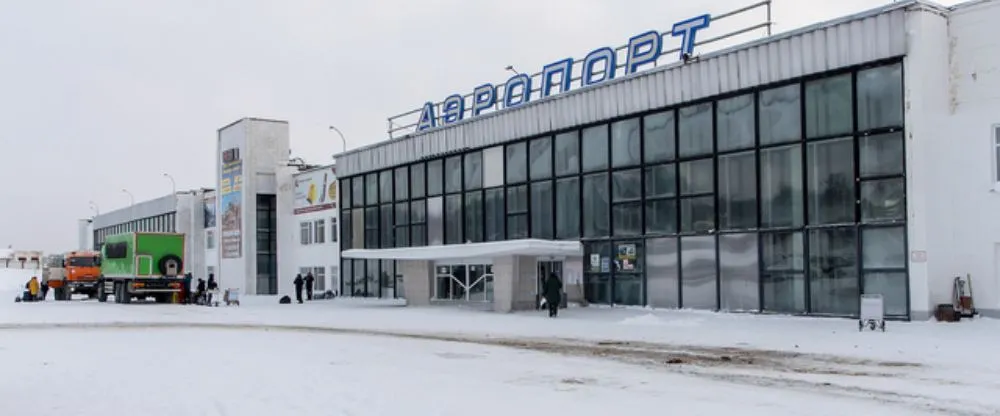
<point x="199" y="291"/>
<point x="310" y="280"/>
<point x="553" y="294"/>
<point x="212" y="287"/>
<point x="187" y="288"/>
<point x="298" y="287"/>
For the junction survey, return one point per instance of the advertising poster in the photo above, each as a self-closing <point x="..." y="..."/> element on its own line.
<point x="315" y="191"/>
<point x="209" y="206"/>
<point x="230" y="193"/>
<point x="626" y="257"/>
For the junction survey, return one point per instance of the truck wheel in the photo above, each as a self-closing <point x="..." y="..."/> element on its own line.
<point x="101" y="295"/>
<point x="170" y="265"/>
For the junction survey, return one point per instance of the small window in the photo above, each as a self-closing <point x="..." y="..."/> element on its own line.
<point x="319" y="273"/>
<point x="209" y="240"/>
<point x="305" y="233"/>
<point x="319" y="229"/>
<point x="333" y="230"/>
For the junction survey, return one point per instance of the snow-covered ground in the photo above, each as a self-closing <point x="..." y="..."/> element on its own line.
<point x="366" y="357"/>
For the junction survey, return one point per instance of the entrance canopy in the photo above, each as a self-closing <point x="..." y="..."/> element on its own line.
<point x="526" y="247"/>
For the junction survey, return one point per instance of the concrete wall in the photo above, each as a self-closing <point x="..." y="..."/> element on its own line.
<point x="953" y="190"/>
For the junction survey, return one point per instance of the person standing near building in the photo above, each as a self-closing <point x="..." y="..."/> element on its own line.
<point x="33" y="288"/>
<point x="553" y="294"/>
<point x="310" y="281"/>
<point x="298" y="287"/>
<point x="212" y="287"/>
<point x="45" y="286"/>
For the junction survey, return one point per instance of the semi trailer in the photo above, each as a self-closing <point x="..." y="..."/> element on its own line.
<point x="139" y="265"/>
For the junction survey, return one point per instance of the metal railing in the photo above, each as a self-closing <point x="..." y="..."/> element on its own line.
<point x="394" y="122"/>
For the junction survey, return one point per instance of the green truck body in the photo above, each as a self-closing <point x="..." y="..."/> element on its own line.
<point x="134" y="265"/>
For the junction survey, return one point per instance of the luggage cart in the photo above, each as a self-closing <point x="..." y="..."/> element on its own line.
<point x="872" y="312"/>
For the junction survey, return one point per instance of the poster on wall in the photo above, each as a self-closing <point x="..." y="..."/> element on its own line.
<point x="230" y="192"/>
<point x="626" y="257"/>
<point x="315" y="191"/>
<point x="209" y="207"/>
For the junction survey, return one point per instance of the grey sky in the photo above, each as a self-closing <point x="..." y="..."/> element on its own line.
<point x="108" y="94"/>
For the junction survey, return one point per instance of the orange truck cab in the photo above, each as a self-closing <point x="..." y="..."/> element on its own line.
<point x="81" y="272"/>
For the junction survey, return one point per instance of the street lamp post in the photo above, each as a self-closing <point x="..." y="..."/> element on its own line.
<point x="342" y="139"/>
<point x="173" y="184"/>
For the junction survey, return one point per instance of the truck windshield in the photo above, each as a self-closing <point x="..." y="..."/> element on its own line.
<point x="82" y="262"/>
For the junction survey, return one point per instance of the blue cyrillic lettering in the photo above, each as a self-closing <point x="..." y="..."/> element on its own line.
<point x="427" y="119"/>
<point x="607" y="55"/>
<point x="453" y="109"/>
<point x="564" y="68"/>
<point x="687" y="31"/>
<point x="483" y="98"/>
<point x="517" y="82"/>
<point x="642" y="49"/>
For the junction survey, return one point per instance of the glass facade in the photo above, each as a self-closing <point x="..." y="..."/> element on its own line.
<point x="787" y="198"/>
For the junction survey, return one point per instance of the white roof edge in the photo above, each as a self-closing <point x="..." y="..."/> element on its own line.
<point x="534" y="247"/>
<point x="773" y="38"/>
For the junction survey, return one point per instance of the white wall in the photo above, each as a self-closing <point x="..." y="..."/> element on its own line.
<point x="953" y="99"/>
<point x="263" y="148"/>
<point x="296" y="206"/>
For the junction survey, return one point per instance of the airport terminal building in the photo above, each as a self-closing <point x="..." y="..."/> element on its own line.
<point x="788" y="175"/>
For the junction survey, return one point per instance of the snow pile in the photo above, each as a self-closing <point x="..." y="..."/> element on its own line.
<point x="650" y="319"/>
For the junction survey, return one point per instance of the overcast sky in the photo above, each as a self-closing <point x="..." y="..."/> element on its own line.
<point x="102" y="95"/>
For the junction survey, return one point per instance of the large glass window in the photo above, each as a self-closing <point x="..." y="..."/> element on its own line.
<point x="738" y="191"/>
<point x="517" y="212"/>
<point x="474" y="170"/>
<point x="435" y="177"/>
<point x="695" y="128"/>
<point x="474" y="216"/>
<point x="494" y="207"/>
<point x="629" y="259"/>
<point x="883" y="200"/>
<point x="829" y="107"/>
<point x="881" y="154"/>
<point x="884" y="267"/>
<point x="402" y="221"/>
<point x="781" y="200"/>
<point x="371" y="189"/>
<point x="541" y="210"/>
<point x="625" y="143"/>
<point x="385" y="186"/>
<point x="659" y="139"/>
<point x="371" y="227"/>
<point x="402" y="184"/>
<point x="567" y="153"/>
<point x="540" y="153"/>
<point x="780" y="114"/>
<point x="833" y="275"/>
<point x="595" y="148"/>
<point x="735" y="120"/>
<point x="386" y="226"/>
<point x="831" y="181"/>
<point x="625" y="195"/>
<point x="345" y="196"/>
<point x="453" y="219"/>
<point x="357" y="191"/>
<point x="417" y="178"/>
<point x="697" y="205"/>
<point x="596" y="218"/>
<point x="783" y="272"/>
<point x="453" y="174"/>
<point x="880" y="97"/>
<point x="568" y="208"/>
<point x="516" y="156"/>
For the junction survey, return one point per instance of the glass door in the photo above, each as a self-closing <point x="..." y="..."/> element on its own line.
<point x="546" y="267"/>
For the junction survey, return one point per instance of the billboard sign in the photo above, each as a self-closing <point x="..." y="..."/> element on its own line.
<point x="315" y="191"/>
<point x="231" y="198"/>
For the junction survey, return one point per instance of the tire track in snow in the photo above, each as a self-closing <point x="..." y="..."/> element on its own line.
<point x="716" y="364"/>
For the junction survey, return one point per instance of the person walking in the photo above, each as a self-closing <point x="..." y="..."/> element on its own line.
<point x="45" y="288"/>
<point x="186" y="299"/>
<point x="310" y="281"/>
<point x="212" y="287"/>
<point x="199" y="292"/>
<point x="298" y="287"/>
<point x="553" y="294"/>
